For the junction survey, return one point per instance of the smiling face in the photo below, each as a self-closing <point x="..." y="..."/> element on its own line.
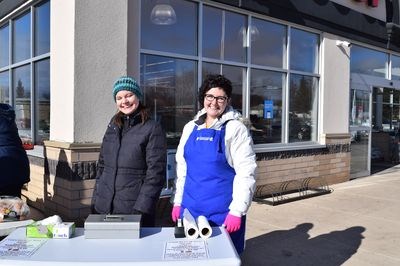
<point x="127" y="102"/>
<point x="215" y="102"/>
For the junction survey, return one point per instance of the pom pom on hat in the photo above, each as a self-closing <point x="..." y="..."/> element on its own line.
<point x="127" y="84"/>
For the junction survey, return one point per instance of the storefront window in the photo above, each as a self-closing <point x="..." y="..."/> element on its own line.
<point x="359" y="108"/>
<point x="22" y="38"/>
<point x="224" y="35"/>
<point x="28" y="75"/>
<point x="395" y="67"/>
<point x="4" y="46"/>
<point x="304" y="51"/>
<point x="303" y="108"/>
<point x="359" y="151"/>
<point x="396" y="116"/>
<point x="266" y="106"/>
<point x="42" y="29"/>
<point x="367" y="61"/>
<point x="251" y="52"/>
<point x="4" y="87"/>
<point x="179" y="36"/>
<point x="22" y="92"/>
<point x="235" y="74"/>
<point x="170" y="91"/>
<point x="386" y="103"/>
<point x="42" y="85"/>
<point x="268" y="44"/>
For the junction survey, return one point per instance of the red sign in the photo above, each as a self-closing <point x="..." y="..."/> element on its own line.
<point x="373" y="3"/>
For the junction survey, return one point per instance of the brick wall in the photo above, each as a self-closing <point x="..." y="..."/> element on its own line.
<point x="328" y="165"/>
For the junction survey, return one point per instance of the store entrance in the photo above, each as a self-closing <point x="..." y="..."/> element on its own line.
<point x="385" y="128"/>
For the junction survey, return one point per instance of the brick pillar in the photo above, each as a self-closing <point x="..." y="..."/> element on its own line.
<point x="63" y="184"/>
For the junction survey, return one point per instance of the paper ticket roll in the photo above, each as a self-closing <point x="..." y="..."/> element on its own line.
<point x="205" y="229"/>
<point x="189" y="224"/>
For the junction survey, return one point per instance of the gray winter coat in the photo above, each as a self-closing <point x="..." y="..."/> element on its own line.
<point x="131" y="168"/>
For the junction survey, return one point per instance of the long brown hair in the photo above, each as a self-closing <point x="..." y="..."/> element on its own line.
<point x="144" y="114"/>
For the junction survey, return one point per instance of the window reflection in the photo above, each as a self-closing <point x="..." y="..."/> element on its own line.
<point x="22" y="92"/>
<point x="180" y="37"/>
<point x="223" y="36"/>
<point x="21" y="77"/>
<point x="4" y="46"/>
<point x="304" y="51"/>
<point x="22" y="38"/>
<point x="395" y="67"/>
<point x="224" y="47"/>
<point x="266" y="106"/>
<point x="359" y="108"/>
<point x="268" y="49"/>
<point x="212" y="32"/>
<point x="169" y="87"/>
<point x="302" y="108"/>
<point x="42" y="29"/>
<point x="4" y="87"/>
<point x="42" y="85"/>
<point x="367" y="61"/>
<point x="359" y="151"/>
<point x="386" y="106"/>
<point x="235" y="74"/>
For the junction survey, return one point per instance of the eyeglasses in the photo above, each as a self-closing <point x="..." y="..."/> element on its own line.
<point x="220" y="99"/>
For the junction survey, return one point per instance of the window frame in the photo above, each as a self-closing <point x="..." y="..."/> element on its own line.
<point x="285" y="70"/>
<point x="31" y="61"/>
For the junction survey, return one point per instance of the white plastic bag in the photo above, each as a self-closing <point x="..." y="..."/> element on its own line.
<point x="13" y="209"/>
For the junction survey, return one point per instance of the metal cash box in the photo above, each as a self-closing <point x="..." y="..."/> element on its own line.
<point x="103" y="226"/>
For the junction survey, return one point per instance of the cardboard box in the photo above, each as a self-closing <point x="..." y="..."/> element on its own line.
<point x="103" y="226"/>
<point x="63" y="230"/>
<point x="36" y="230"/>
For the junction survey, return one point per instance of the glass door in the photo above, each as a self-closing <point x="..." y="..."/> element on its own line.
<point x="360" y="130"/>
<point x="385" y="128"/>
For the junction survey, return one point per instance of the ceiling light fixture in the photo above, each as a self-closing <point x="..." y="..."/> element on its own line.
<point x="163" y="14"/>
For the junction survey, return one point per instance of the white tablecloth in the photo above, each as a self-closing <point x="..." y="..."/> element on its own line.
<point x="150" y="249"/>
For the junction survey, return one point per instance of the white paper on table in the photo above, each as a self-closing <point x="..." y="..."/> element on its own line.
<point x="186" y="250"/>
<point x="190" y="226"/>
<point x="20" y="248"/>
<point x="205" y="230"/>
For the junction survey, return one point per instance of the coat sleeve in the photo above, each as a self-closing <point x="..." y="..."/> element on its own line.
<point x="241" y="157"/>
<point x="181" y="164"/>
<point x="156" y="160"/>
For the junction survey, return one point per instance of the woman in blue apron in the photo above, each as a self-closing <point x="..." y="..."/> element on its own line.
<point x="216" y="163"/>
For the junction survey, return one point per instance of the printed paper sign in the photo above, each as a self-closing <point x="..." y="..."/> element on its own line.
<point x="21" y="248"/>
<point x="185" y="250"/>
<point x="268" y="109"/>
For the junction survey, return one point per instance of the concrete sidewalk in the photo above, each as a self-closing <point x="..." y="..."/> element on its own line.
<point x="357" y="224"/>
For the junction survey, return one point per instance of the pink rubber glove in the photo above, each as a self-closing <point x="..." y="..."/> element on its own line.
<point x="232" y="223"/>
<point x="176" y="210"/>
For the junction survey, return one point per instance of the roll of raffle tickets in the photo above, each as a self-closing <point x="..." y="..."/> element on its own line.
<point x="204" y="227"/>
<point x="190" y="226"/>
<point x="195" y="228"/>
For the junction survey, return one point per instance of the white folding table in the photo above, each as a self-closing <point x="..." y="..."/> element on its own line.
<point x="156" y="246"/>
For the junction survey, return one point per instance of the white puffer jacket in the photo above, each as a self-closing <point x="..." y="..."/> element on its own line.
<point x="239" y="154"/>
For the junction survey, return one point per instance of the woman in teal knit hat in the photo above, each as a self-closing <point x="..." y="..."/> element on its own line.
<point x="132" y="161"/>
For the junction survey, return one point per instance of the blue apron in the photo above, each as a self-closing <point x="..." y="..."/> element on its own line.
<point x="209" y="180"/>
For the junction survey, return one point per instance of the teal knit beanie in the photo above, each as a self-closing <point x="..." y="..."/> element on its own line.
<point x="127" y="84"/>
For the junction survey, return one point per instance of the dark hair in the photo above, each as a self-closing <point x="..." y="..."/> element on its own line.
<point x="214" y="81"/>
<point x="119" y="117"/>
